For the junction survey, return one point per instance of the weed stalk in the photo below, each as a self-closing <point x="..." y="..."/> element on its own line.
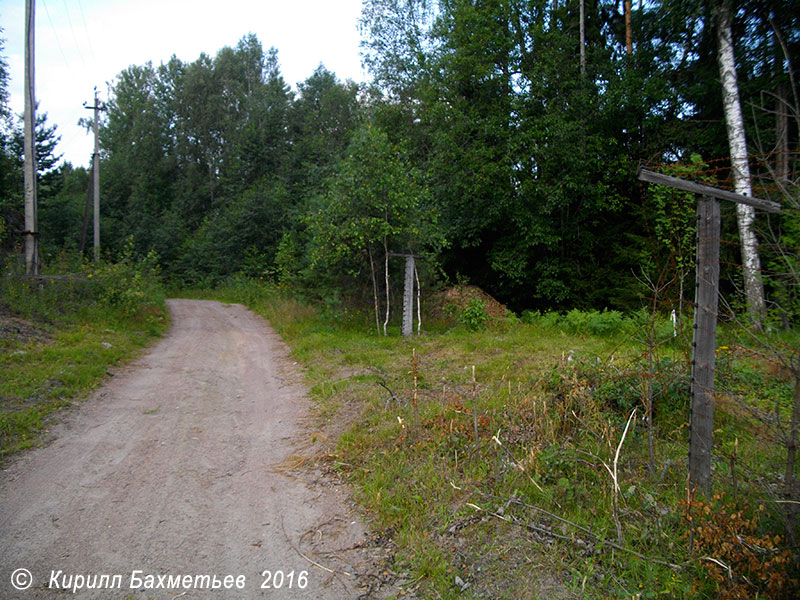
<point x="474" y="407"/>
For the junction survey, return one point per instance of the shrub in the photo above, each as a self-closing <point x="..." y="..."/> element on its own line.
<point x="474" y="315"/>
<point x="743" y="561"/>
<point x="547" y="319"/>
<point x="131" y="285"/>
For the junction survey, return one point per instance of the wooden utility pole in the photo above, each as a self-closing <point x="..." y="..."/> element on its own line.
<point x="29" y="167"/>
<point x="96" y="174"/>
<point x="704" y="342"/>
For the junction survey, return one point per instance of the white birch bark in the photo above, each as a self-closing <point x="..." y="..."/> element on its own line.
<point x="386" y="273"/>
<point x="374" y="288"/>
<point x="419" y="302"/>
<point x="737" y="142"/>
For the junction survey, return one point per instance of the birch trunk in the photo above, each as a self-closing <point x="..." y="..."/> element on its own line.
<point x="374" y="288"/>
<point x="737" y="142"/>
<point x="419" y="302"/>
<point x="386" y="274"/>
<point x="782" y="134"/>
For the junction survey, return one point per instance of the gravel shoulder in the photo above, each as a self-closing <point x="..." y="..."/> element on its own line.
<point x="182" y="465"/>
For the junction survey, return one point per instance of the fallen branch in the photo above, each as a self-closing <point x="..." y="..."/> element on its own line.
<point x="720" y="564"/>
<point x="312" y="561"/>
<point x="392" y="394"/>
<point x="515" y="500"/>
<point x="496" y="440"/>
<point x="574" y="539"/>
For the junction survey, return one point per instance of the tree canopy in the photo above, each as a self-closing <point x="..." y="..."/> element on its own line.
<point x="487" y="139"/>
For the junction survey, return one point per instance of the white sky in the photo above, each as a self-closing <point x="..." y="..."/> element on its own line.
<point x="81" y="44"/>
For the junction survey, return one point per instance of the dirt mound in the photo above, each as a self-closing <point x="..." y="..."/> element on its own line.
<point x="14" y="329"/>
<point x="453" y="300"/>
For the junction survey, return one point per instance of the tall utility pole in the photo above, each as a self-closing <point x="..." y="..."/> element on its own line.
<point x="29" y="167"/>
<point x="96" y="175"/>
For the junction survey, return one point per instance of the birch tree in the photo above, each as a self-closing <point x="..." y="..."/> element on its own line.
<point x="737" y="142"/>
<point x="377" y="202"/>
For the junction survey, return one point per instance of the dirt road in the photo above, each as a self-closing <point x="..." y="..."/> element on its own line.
<point x="175" y="472"/>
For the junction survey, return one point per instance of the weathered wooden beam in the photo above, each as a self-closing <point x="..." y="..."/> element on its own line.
<point x="707" y="190"/>
<point x="704" y="344"/>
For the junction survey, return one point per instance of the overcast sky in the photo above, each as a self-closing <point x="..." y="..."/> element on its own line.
<point x="81" y="44"/>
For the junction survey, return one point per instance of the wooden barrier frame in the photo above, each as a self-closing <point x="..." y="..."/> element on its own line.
<point x="704" y="338"/>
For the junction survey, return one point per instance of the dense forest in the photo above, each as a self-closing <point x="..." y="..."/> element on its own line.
<point x="490" y="140"/>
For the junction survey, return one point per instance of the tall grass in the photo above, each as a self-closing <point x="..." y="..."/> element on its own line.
<point x="556" y="496"/>
<point x="63" y="331"/>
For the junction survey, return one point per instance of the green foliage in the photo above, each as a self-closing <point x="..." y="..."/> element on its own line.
<point x="375" y="196"/>
<point x="237" y="233"/>
<point x="474" y="316"/>
<point x="131" y="286"/>
<point x="517" y="153"/>
<point x="50" y="178"/>
<point x="622" y="385"/>
<point x="673" y="213"/>
<point x="602" y="323"/>
<point x="559" y="416"/>
<point x="376" y="204"/>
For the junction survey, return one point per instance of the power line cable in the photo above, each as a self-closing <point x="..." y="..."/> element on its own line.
<point x="86" y="30"/>
<point x="72" y="29"/>
<point x="55" y="33"/>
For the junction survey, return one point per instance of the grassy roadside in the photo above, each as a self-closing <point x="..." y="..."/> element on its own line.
<point x="60" y="336"/>
<point x="554" y="497"/>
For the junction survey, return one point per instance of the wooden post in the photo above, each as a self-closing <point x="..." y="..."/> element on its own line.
<point x="704" y="344"/>
<point x="408" y="297"/>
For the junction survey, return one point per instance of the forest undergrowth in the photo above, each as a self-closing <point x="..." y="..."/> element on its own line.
<point x="511" y="458"/>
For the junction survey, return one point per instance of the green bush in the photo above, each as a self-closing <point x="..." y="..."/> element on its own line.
<point x="593" y="322"/>
<point x="606" y="322"/>
<point x="474" y="315"/>
<point x="622" y="386"/>
<point x="130" y="285"/>
<point x="601" y="323"/>
<point x="548" y="319"/>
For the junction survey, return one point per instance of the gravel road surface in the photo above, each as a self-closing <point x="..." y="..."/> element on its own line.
<point x="179" y="470"/>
